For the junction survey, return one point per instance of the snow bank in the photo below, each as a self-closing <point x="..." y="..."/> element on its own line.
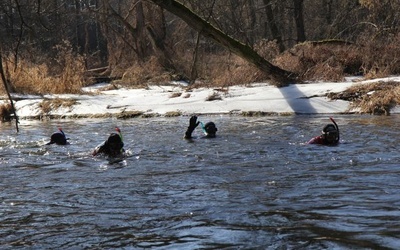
<point x="259" y="97"/>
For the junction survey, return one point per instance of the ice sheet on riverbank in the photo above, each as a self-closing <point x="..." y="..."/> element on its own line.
<point x="157" y="99"/>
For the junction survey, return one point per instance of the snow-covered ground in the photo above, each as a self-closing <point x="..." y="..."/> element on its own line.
<point x="258" y="97"/>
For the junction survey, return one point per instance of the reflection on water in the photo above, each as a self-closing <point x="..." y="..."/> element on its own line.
<point x="256" y="186"/>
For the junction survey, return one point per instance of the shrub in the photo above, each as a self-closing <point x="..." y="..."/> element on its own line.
<point x="327" y="60"/>
<point x="380" y="55"/>
<point x="6" y="112"/>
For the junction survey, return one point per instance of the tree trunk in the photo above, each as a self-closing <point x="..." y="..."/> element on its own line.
<point x="299" y="19"/>
<point x="279" y="76"/>
<point x="193" y="69"/>
<point x="139" y="32"/>
<point x="273" y="27"/>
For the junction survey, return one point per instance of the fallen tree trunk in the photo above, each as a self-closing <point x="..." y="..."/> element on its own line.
<point x="279" y="76"/>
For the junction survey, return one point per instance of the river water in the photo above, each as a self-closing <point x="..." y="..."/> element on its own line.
<point x="256" y="186"/>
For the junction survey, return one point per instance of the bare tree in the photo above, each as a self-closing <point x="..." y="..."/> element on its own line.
<point x="280" y="76"/>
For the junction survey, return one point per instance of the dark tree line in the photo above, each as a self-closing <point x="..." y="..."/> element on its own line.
<point x="121" y="33"/>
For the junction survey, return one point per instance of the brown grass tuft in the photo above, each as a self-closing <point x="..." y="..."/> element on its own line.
<point x="6" y="112"/>
<point x="173" y="113"/>
<point x="175" y="95"/>
<point x="214" y="97"/>
<point x="49" y="105"/>
<point x="375" y="98"/>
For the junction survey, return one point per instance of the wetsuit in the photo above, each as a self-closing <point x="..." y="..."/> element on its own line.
<point x="330" y="135"/>
<point x="58" y="138"/>
<point x="112" y="147"/>
<point x="209" y="128"/>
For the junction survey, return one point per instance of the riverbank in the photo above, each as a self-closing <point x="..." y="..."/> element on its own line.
<point x="176" y="99"/>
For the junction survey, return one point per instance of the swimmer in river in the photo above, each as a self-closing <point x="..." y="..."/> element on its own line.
<point x="209" y="128"/>
<point x="330" y="135"/>
<point x="112" y="147"/>
<point x="58" y="138"/>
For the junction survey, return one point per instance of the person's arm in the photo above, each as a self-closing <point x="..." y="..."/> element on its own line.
<point x="193" y="123"/>
<point x="99" y="149"/>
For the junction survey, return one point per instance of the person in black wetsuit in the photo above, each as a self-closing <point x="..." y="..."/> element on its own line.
<point x="58" y="138"/>
<point x="112" y="147"/>
<point x="209" y="128"/>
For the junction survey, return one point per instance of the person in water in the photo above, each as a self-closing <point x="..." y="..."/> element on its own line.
<point x="112" y="147"/>
<point x="209" y="128"/>
<point x="58" y="138"/>
<point x="330" y="135"/>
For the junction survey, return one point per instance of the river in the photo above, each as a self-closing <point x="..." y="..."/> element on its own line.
<point x="256" y="186"/>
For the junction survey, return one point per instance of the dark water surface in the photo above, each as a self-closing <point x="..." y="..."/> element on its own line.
<point x="256" y="186"/>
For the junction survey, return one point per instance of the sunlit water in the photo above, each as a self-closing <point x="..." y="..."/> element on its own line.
<point x="255" y="186"/>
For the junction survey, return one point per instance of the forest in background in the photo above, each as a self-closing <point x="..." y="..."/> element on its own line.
<point x="58" y="46"/>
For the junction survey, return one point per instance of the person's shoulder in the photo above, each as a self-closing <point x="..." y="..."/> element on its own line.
<point x="316" y="140"/>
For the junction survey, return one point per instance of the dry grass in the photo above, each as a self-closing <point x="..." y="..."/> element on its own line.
<point x="64" y="74"/>
<point x="49" y="105"/>
<point x="173" y="113"/>
<point x="128" y="114"/>
<point x="332" y="60"/>
<point x="139" y="75"/>
<point x="258" y="113"/>
<point x="225" y="69"/>
<point x="215" y="96"/>
<point x="175" y="95"/>
<point x="6" y="112"/>
<point x="327" y="61"/>
<point x="381" y="55"/>
<point x="375" y="98"/>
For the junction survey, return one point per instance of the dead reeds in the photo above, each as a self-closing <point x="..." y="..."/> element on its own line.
<point x="49" y="105"/>
<point x="64" y="74"/>
<point x="373" y="98"/>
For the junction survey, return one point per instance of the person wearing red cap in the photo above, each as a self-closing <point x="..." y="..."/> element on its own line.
<point x="112" y="147"/>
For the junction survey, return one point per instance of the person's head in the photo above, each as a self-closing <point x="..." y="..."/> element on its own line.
<point x="115" y="143"/>
<point x="58" y="138"/>
<point x="330" y="134"/>
<point x="210" y="129"/>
